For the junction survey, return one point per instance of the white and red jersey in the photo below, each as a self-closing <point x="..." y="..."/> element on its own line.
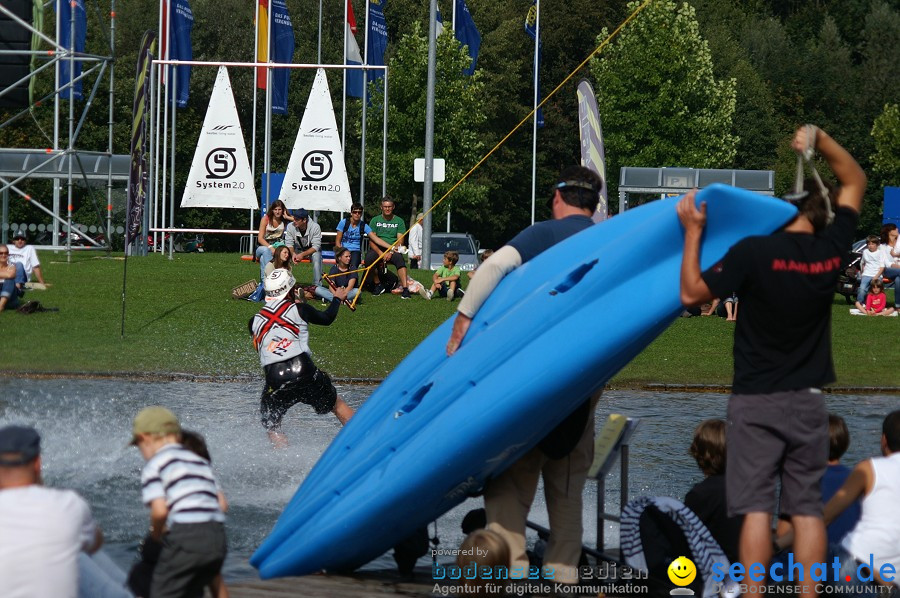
<point x="279" y="332"/>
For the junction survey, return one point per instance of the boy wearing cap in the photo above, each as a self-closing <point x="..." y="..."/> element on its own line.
<point x="22" y="253"/>
<point x="304" y="238"/>
<point x="179" y="487"/>
<point x="42" y="530"/>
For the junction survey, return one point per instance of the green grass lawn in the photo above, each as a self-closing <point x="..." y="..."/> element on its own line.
<point x="181" y="318"/>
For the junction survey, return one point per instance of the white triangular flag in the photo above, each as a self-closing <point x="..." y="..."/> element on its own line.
<point x="316" y="176"/>
<point x="220" y="174"/>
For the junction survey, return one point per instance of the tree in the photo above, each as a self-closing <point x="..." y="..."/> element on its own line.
<point x="659" y="100"/>
<point x="458" y="122"/>
<point x="886" y="133"/>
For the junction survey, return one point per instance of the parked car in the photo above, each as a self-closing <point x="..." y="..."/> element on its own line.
<point x="463" y="243"/>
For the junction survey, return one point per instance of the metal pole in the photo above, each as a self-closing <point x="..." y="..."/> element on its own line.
<point x="601" y="512"/>
<point x="362" y="152"/>
<point x="168" y="75"/>
<point x="429" y="137"/>
<point x="154" y="151"/>
<point x="319" y="53"/>
<point x="253" y="134"/>
<point x="537" y="40"/>
<point x="4" y="232"/>
<point x="267" y="159"/>
<point x="56" y="82"/>
<point x="71" y="144"/>
<point x="384" y="143"/>
<point x="112" y="66"/>
<point x="344" y="94"/>
<point x="172" y="157"/>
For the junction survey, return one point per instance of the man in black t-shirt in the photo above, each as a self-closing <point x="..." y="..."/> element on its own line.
<point x="564" y="456"/>
<point x="777" y="421"/>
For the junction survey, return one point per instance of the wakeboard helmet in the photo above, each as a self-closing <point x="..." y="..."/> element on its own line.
<point x="278" y="284"/>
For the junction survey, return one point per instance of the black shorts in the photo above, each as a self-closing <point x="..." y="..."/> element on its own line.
<point x="396" y="259"/>
<point x="296" y="380"/>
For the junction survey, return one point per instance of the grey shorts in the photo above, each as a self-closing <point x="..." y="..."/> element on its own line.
<point x="770" y="436"/>
<point x="192" y="555"/>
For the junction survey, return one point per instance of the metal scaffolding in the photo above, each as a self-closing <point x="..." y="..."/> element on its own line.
<point x="63" y="162"/>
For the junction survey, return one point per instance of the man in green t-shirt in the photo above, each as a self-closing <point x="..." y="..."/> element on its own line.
<point x="386" y="230"/>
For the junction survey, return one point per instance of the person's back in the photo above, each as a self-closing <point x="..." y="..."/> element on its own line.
<point x="42" y="531"/>
<point x="782" y="340"/>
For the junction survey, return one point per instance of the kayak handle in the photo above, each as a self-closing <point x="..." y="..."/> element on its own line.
<point x="573" y="278"/>
<point x="414" y="400"/>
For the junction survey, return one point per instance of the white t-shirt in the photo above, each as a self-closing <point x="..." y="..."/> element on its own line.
<point x="26" y="256"/>
<point x="888" y="258"/>
<point x="872" y="261"/>
<point x="42" y="530"/>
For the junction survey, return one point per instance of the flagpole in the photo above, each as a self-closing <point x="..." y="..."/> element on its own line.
<point x="267" y="159"/>
<point x="344" y="96"/>
<point x="362" y="152"/>
<point x="319" y="54"/>
<point x="537" y="38"/>
<point x="172" y="173"/>
<point x="453" y="24"/>
<point x="253" y="134"/>
<point x="429" y="135"/>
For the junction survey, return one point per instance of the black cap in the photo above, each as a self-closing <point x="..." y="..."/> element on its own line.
<point x="301" y="213"/>
<point x="19" y="234"/>
<point x="18" y="445"/>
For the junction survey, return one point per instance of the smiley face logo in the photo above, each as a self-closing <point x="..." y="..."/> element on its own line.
<point x="682" y="571"/>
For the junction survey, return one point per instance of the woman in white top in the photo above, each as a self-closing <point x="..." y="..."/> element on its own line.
<point x="271" y="230"/>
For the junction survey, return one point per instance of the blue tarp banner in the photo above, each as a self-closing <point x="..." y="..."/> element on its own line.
<point x="64" y="15"/>
<point x="467" y="33"/>
<point x="282" y="50"/>
<point x="181" y="23"/>
<point x="377" y="42"/>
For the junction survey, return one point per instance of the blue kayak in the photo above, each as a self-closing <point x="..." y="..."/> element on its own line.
<point x="553" y="331"/>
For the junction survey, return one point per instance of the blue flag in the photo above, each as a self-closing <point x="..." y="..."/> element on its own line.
<point x="65" y="40"/>
<point x="181" y="22"/>
<point x="531" y="29"/>
<point x="467" y="33"/>
<point x="377" y="42"/>
<point x="282" y="51"/>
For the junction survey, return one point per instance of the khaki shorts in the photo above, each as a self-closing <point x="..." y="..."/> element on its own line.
<point x="782" y="435"/>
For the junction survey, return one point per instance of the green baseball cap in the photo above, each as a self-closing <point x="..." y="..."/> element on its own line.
<point x="158" y="421"/>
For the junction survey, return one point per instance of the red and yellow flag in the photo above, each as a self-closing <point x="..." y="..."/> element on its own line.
<point x="262" y="41"/>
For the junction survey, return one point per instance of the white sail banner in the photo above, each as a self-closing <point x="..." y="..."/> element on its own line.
<point x="316" y="176"/>
<point x="220" y="174"/>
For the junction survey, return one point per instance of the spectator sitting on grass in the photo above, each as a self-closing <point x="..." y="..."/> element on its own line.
<point x="445" y="279"/>
<point x="871" y="266"/>
<point x="876" y="300"/>
<point x="338" y="275"/>
<point x="22" y="253"/>
<point x="281" y="258"/>
<point x="304" y="238"/>
<point x="12" y="281"/>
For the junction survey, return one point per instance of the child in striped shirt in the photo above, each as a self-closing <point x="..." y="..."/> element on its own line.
<point x="185" y="512"/>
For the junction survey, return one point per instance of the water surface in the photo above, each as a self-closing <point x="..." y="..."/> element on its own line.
<point x="86" y="426"/>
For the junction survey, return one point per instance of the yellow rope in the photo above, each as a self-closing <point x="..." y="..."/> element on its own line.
<point x="596" y="51"/>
